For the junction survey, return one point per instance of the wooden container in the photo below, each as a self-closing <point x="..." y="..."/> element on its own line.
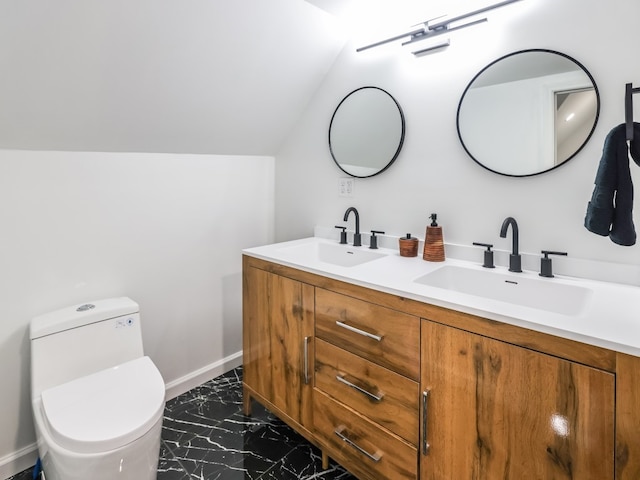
<point x="408" y="246"/>
<point x="433" y="245"/>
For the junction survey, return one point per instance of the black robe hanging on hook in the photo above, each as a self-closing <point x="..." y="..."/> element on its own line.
<point x="610" y="211"/>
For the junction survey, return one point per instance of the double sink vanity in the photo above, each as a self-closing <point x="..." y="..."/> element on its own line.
<point x="400" y="368"/>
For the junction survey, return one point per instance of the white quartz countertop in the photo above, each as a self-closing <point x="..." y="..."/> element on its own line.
<point x="610" y="317"/>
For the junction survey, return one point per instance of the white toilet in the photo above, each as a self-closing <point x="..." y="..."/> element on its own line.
<point x="97" y="401"/>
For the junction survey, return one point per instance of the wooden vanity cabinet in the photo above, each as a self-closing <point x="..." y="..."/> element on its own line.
<point x="495" y="410"/>
<point x="394" y="388"/>
<point x="278" y="323"/>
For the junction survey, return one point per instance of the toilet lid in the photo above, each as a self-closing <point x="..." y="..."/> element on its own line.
<point x="105" y="410"/>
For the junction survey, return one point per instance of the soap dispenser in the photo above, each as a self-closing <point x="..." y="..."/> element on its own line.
<point x="433" y="242"/>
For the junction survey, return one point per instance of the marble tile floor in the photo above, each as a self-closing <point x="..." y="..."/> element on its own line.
<point x="205" y="436"/>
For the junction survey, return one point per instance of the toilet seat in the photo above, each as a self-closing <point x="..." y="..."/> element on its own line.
<point x="105" y="410"/>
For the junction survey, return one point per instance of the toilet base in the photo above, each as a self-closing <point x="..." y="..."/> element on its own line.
<point x="135" y="461"/>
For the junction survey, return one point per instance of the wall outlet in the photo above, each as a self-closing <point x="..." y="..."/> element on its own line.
<point x="346" y="187"/>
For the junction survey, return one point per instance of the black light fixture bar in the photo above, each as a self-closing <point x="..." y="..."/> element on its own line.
<point x="432" y="33"/>
<point x="431" y="30"/>
<point x="446" y="23"/>
<point x="392" y="39"/>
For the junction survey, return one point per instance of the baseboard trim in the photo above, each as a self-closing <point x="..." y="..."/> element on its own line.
<point x="202" y="375"/>
<point x="18" y="461"/>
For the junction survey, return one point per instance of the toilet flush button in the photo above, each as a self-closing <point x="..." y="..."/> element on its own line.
<point x="124" y="322"/>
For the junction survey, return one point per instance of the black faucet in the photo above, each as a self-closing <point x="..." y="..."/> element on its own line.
<point x="514" y="258"/>
<point x="357" y="242"/>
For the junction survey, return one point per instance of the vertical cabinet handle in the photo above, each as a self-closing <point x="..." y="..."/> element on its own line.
<point x="377" y="338"/>
<point x="425" y="436"/>
<point x="306" y="360"/>
<point x="372" y="456"/>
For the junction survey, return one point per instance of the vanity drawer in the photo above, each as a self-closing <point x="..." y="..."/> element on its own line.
<point x="383" y="396"/>
<point x="355" y="441"/>
<point x="384" y="336"/>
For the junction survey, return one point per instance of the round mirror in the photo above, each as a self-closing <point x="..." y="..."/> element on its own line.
<point x="366" y="132"/>
<point x="528" y="112"/>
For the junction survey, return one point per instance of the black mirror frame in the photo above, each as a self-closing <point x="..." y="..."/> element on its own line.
<point x="586" y="140"/>
<point x="397" y="152"/>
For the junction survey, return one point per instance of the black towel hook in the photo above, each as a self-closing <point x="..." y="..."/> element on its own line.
<point x="628" y="108"/>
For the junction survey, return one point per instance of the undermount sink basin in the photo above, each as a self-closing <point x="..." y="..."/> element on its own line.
<point x="335" y="254"/>
<point x="518" y="289"/>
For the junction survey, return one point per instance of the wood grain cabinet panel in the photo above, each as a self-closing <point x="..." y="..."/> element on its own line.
<point x="385" y="397"/>
<point x="498" y="411"/>
<point x="278" y="343"/>
<point x="627" y="417"/>
<point x="379" y="334"/>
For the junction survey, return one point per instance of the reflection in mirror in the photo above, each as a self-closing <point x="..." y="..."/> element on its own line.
<point x="366" y="132"/>
<point x="528" y="112"/>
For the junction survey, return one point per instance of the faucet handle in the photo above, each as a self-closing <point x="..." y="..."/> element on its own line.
<point x="545" y="263"/>
<point x="488" y="254"/>
<point x="373" y="241"/>
<point x="343" y="235"/>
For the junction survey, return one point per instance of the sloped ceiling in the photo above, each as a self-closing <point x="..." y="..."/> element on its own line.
<point x="188" y="76"/>
<point x="335" y="7"/>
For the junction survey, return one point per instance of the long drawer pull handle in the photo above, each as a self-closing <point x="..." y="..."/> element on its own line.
<point x="338" y="431"/>
<point x="377" y="398"/>
<point x="378" y="338"/>
<point x="306" y="360"/>
<point x="425" y="405"/>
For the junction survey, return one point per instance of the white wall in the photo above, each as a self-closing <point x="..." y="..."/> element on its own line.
<point x="433" y="173"/>
<point x="188" y="76"/>
<point x="164" y="229"/>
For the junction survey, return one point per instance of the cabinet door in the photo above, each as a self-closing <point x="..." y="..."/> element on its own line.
<point x="493" y="410"/>
<point x="278" y="329"/>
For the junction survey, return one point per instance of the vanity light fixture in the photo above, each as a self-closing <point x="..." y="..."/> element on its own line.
<point x="432" y="48"/>
<point x="427" y="29"/>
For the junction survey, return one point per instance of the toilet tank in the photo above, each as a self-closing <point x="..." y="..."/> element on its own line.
<point x="76" y="341"/>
